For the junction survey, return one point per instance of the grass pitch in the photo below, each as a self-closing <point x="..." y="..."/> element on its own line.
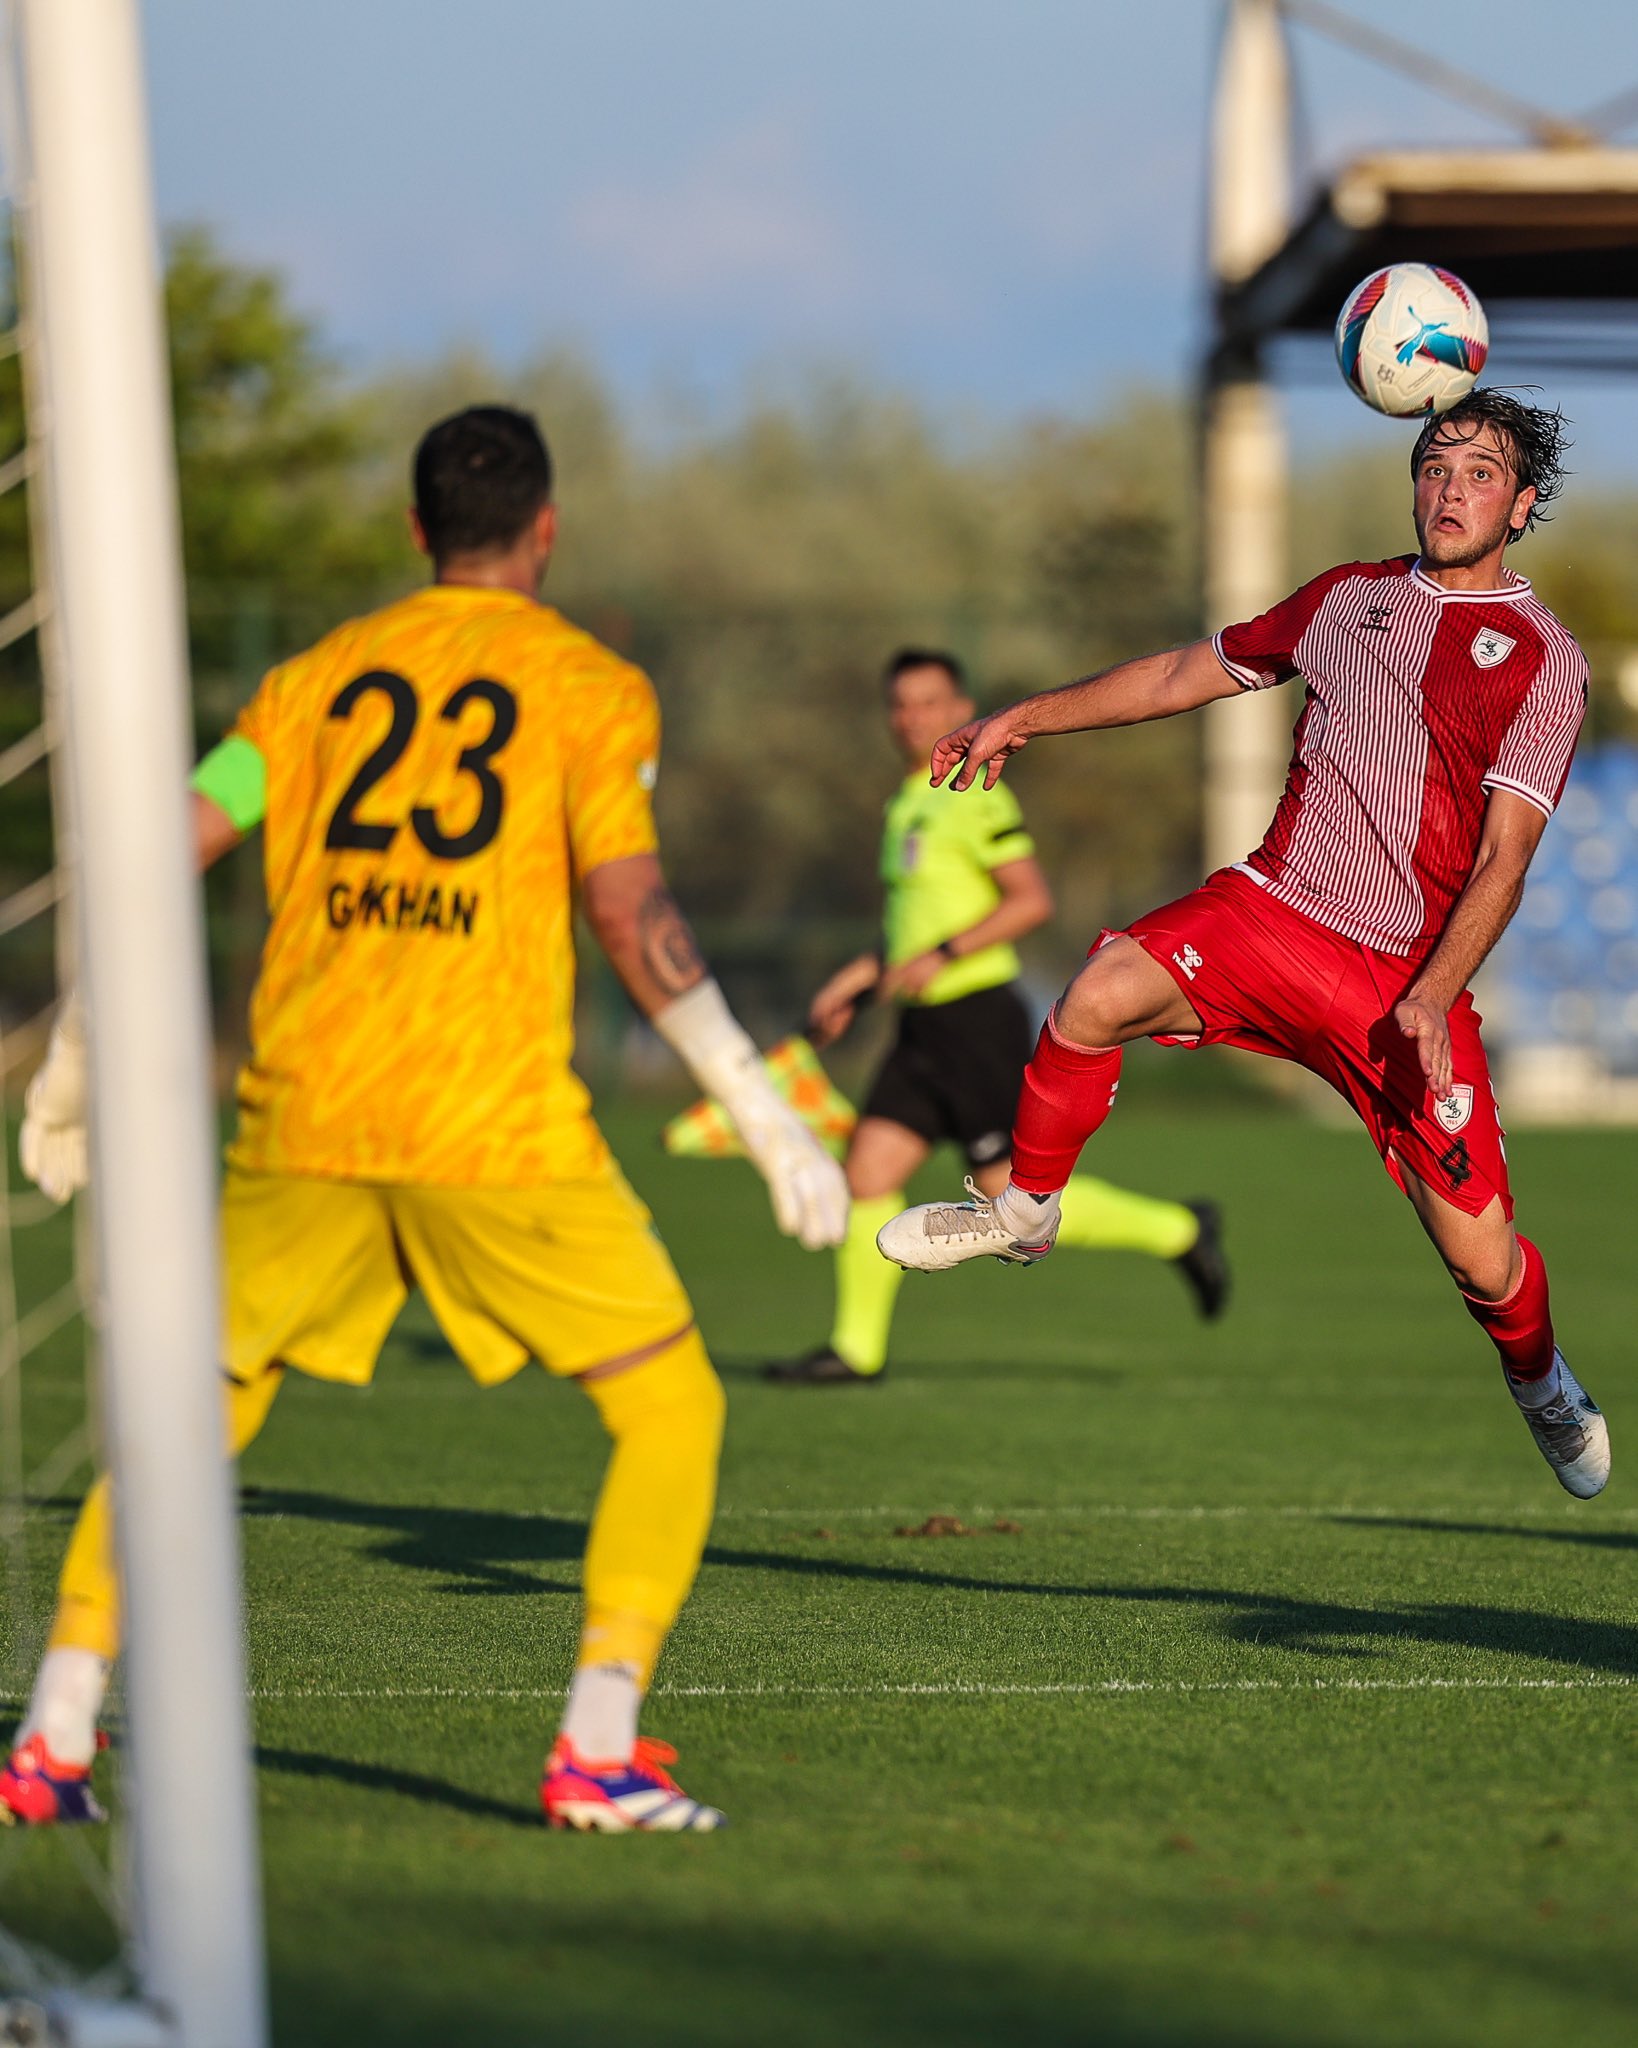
<point x="1293" y="1704"/>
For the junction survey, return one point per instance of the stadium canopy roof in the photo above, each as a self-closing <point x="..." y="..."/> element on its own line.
<point x="1548" y="238"/>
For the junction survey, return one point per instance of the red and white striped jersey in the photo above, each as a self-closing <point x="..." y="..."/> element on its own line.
<point x="1420" y="700"/>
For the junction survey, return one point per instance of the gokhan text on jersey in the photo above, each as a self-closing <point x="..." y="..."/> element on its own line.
<point x="400" y="906"/>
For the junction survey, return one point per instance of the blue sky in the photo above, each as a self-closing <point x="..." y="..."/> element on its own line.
<point x="995" y="204"/>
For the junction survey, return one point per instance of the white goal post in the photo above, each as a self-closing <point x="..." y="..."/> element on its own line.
<point x="94" y="286"/>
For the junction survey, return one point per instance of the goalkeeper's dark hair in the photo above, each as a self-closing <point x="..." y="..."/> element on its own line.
<point x="480" y="477"/>
<point x="1534" y="435"/>
<point x="926" y="657"/>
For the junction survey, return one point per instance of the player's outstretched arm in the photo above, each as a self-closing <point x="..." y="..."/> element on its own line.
<point x="52" y="1143"/>
<point x="635" y="919"/>
<point x="1512" y="831"/>
<point x="1131" y="693"/>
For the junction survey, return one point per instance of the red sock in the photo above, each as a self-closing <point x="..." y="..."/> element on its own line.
<point x="1521" y="1324"/>
<point x="1068" y="1091"/>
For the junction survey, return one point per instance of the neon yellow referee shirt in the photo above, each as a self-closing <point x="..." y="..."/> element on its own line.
<point x="939" y="853"/>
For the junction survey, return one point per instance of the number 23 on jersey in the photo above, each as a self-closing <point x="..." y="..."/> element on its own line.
<point x="347" y="829"/>
<point x="358" y="825"/>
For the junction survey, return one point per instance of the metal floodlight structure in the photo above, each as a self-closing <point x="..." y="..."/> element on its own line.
<point x="1547" y="235"/>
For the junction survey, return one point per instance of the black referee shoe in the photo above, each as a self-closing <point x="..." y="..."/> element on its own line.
<point x="821" y="1368"/>
<point x="1203" y="1264"/>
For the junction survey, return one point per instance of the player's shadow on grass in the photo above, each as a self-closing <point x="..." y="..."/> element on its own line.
<point x="1315" y="1628"/>
<point x="1593" y="1539"/>
<point x="535" y="1957"/>
<point x="481" y="1551"/>
<point x="746" y="1369"/>
<point x="303" y="1763"/>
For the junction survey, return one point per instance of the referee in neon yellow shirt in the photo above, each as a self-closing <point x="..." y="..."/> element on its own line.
<point x="961" y="885"/>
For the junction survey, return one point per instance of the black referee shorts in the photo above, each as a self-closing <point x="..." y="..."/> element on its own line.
<point x="954" y="1071"/>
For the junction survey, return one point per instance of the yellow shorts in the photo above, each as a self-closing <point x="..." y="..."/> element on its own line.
<point x="316" y="1270"/>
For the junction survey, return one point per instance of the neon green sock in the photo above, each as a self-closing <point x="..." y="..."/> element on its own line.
<point x="1098" y="1217"/>
<point x="867" y="1286"/>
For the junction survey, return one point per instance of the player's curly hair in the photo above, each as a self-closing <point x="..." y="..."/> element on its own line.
<point x="1535" y="433"/>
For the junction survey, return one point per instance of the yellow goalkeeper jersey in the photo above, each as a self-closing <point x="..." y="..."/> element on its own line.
<point x="439" y="774"/>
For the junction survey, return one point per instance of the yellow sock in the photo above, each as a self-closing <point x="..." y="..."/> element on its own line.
<point x="652" y="1517"/>
<point x="867" y="1285"/>
<point x="1100" y="1217"/>
<point x="87" y="1616"/>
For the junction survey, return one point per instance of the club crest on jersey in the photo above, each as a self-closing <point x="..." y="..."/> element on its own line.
<point x="1454" y="1111"/>
<point x="1491" y="647"/>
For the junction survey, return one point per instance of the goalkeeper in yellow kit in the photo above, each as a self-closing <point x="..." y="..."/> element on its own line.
<point x="435" y="783"/>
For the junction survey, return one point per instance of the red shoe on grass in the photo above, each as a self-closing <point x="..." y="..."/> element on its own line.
<point x="40" y="1791"/>
<point x="611" y="1799"/>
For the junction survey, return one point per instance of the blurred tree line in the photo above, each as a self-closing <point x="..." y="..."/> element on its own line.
<point x="761" y="568"/>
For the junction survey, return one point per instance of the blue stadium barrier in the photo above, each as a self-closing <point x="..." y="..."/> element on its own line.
<point x="1566" y="973"/>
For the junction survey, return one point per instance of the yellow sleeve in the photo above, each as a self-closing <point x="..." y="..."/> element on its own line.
<point x="258" y="720"/>
<point x="613" y="756"/>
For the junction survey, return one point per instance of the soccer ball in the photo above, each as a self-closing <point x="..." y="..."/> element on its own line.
<point x="1411" y="340"/>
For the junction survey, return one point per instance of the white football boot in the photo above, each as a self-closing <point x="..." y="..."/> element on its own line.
<point x="934" y="1236"/>
<point x="1571" y="1433"/>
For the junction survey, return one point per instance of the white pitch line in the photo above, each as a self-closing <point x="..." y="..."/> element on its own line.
<point x="962" y="1689"/>
<point x="1099" y="1511"/>
<point x="1132" y="1511"/>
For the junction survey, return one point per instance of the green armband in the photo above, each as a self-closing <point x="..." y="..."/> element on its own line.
<point x="234" y="777"/>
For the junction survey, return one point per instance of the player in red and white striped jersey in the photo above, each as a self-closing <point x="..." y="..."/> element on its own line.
<point x="1443" y="705"/>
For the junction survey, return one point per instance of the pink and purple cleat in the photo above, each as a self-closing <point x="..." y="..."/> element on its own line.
<point x="40" y="1791"/>
<point x="611" y="1799"/>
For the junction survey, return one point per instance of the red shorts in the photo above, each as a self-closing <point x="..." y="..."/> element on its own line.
<point x="1265" y="977"/>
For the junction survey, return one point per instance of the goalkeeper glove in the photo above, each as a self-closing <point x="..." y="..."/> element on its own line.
<point x="52" y="1142"/>
<point x="807" y="1186"/>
